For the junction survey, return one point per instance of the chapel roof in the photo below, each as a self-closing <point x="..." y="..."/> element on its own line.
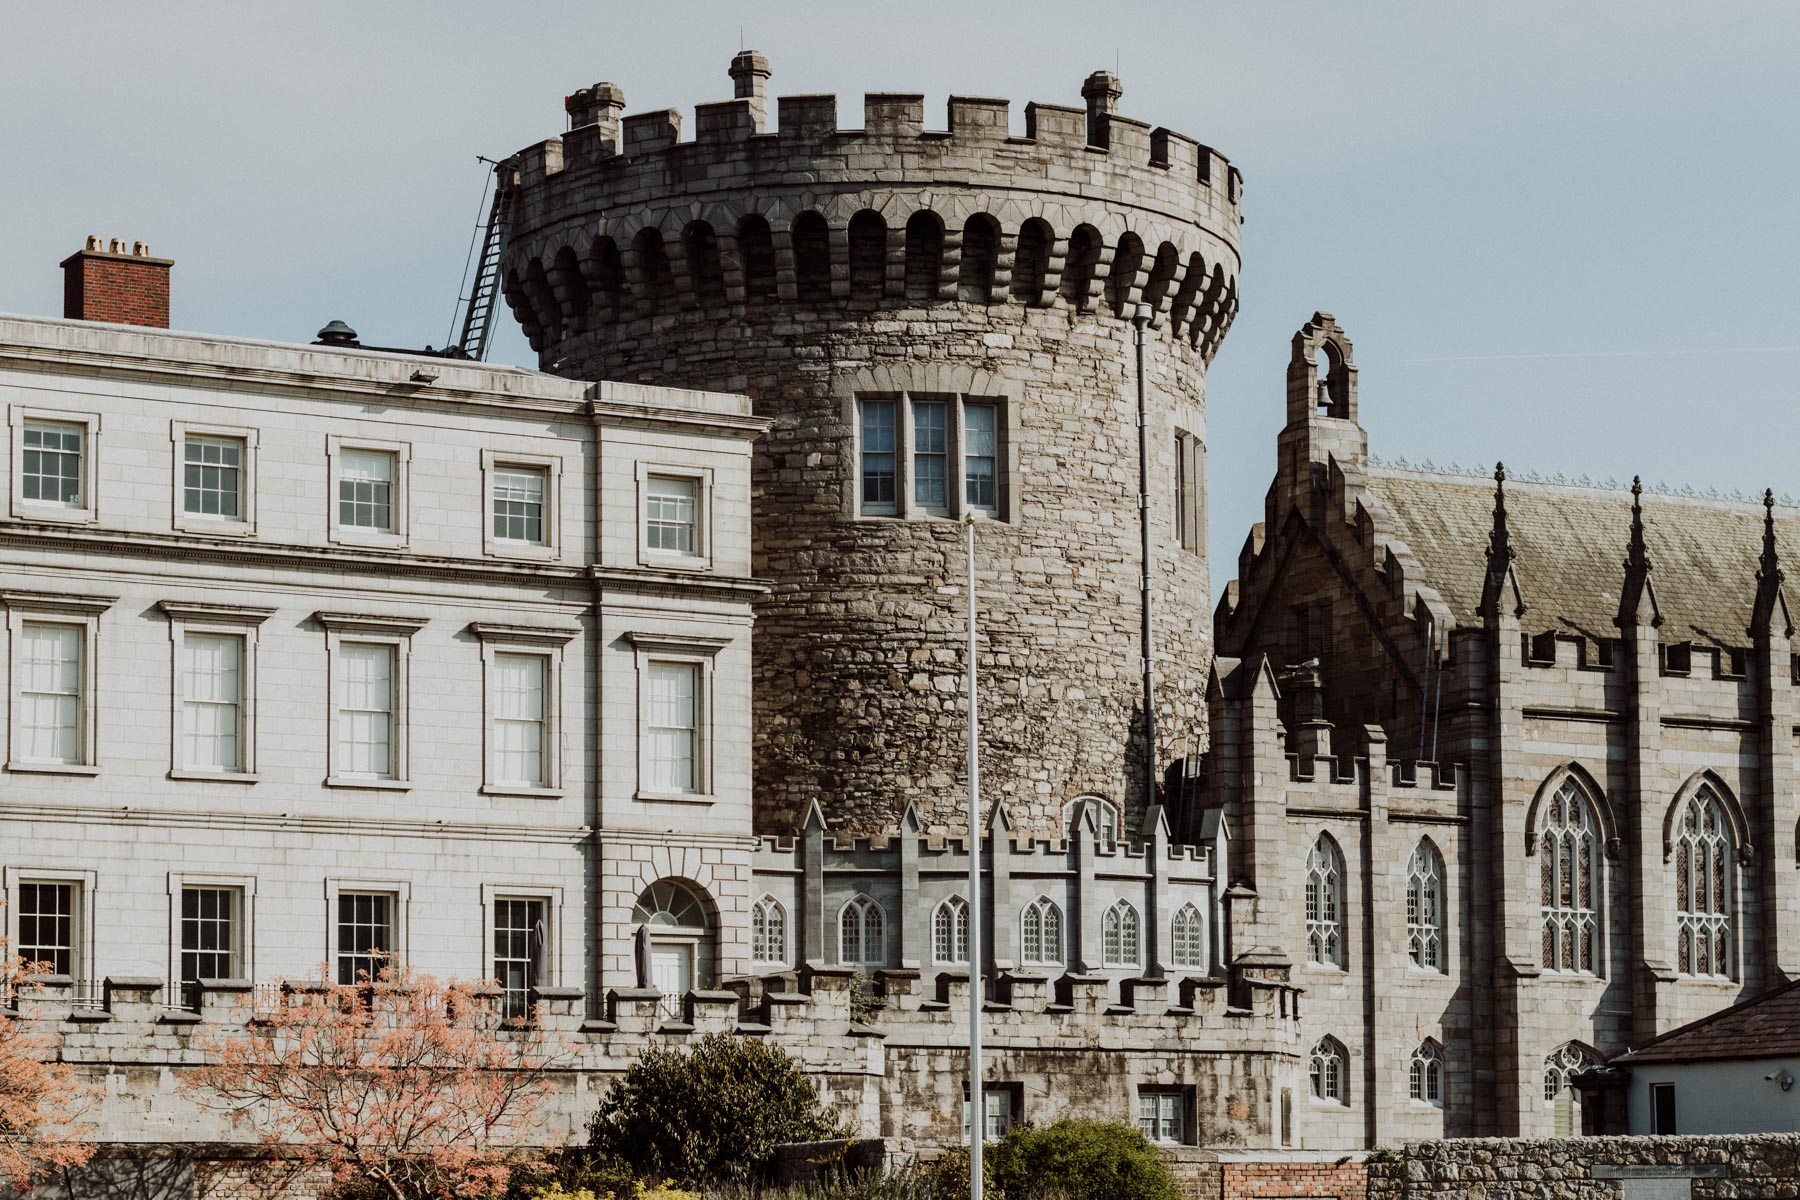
<point x="1766" y="1026"/>
<point x="1570" y="546"/>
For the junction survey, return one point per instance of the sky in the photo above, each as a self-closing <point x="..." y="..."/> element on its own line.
<point x="1566" y="235"/>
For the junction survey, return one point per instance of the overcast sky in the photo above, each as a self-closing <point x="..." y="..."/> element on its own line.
<point x="1562" y="234"/>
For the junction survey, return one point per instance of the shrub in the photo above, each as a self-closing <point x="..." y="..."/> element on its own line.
<point x="1077" y="1160"/>
<point x="713" y="1114"/>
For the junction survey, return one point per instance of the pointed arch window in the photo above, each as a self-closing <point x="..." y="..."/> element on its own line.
<point x="862" y="933"/>
<point x="1189" y="940"/>
<point x="1569" y="880"/>
<point x="1426" y="1077"/>
<point x="1328" y="1067"/>
<point x="768" y="931"/>
<point x="1703" y="893"/>
<point x="950" y="931"/>
<point x="1119" y="936"/>
<point x="1040" y="929"/>
<point x="1325" y="904"/>
<point x="1560" y="1066"/>
<point x="1106" y="817"/>
<point x="1425" y="906"/>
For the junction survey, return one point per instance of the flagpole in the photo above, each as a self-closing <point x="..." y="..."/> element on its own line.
<point x="977" y="1109"/>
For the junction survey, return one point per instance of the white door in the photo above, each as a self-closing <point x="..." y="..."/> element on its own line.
<point x="672" y="973"/>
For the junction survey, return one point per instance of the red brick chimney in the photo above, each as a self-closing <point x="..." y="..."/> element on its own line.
<point x="125" y="287"/>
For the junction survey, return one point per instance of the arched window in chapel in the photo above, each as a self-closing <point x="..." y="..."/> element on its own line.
<point x="1569" y="880"/>
<point x="1425" y="906"/>
<point x="1703" y="892"/>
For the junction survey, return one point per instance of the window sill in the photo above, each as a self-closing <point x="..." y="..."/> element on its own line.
<point x="507" y="789"/>
<point x="36" y="768"/>
<point x="216" y="776"/>
<point x="981" y="515"/>
<point x="648" y="797"/>
<point x="373" y="785"/>
<point x="668" y="560"/>
<point x="354" y="536"/>
<point x="216" y="527"/>
<point x="1327" y="968"/>
<point x="27" y="510"/>
<point x="525" y="551"/>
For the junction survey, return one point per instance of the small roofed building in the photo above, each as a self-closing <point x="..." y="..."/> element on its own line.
<point x="1732" y="1072"/>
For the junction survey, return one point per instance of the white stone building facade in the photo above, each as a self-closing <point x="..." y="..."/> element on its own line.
<point x="313" y="651"/>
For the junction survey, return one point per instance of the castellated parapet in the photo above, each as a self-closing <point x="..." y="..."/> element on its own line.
<point x="886" y="295"/>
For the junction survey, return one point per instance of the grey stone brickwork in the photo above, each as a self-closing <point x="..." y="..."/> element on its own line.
<point x="1599" y="1168"/>
<point x="809" y="267"/>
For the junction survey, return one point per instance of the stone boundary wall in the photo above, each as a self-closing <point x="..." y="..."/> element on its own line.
<point x="1600" y="1168"/>
<point x="1202" y="1175"/>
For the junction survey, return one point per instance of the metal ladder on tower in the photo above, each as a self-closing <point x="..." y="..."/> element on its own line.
<point x="478" y="318"/>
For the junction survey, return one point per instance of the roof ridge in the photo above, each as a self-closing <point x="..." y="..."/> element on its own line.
<point x="1399" y="464"/>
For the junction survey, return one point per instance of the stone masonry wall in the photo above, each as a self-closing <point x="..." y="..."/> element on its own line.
<point x="790" y="267"/>
<point x="1590" y="1168"/>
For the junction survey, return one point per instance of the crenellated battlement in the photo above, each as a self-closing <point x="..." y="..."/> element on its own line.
<point x="1089" y="213"/>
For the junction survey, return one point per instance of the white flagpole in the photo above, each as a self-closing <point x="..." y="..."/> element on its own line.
<point x="977" y="1109"/>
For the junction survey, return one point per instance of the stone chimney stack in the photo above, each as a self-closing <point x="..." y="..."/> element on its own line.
<point x="1101" y="90"/>
<point x="115" y="284"/>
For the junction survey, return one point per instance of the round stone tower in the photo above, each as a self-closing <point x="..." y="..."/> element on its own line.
<point x="937" y="323"/>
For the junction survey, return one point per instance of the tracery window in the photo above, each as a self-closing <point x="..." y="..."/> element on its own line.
<point x="1567" y="1060"/>
<point x="1329" y="1071"/>
<point x="1325" y="904"/>
<point x="1119" y="940"/>
<point x="1106" y="817"/>
<point x="1569" y="866"/>
<point x="950" y="931"/>
<point x="1703" y="896"/>
<point x="1040" y="928"/>
<point x="862" y="933"/>
<point x="1425" y="906"/>
<point x="1189" y="942"/>
<point x="768" y="931"/>
<point x="1426" y="1078"/>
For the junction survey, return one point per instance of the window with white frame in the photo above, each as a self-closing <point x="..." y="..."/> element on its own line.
<point x="365" y="710"/>
<point x="930" y="454"/>
<point x="1703" y="891"/>
<point x="1163" y="1114"/>
<point x="1328" y="1067"/>
<point x="211" y="932"/>
<point x="1189" y="940"/>
<point x="950" y="931"/>
<point x="365" y="935"/>
<point x="674" y="724"/>
<point x="1121" y="945"/>
<point x="1425" y="1078"/>
<point x="1425" y="906"/>
<point x="365" y="489"/>
<point x="212" y="701"/>
<point x="1569" y="877"/>
<point x="1040" y="933"/>
<point x="53" y="464"/>
<point x="215" y="687"/>
<point x="369" y="657"/>
<point x="768" y="931"/>
<point x="523" y="668"/>
<point x="1325" y="904"/>
<point x="862" y="933"/>
<point x="51" y="689"/>
<point x="521" y="932"/>
<point x="518" y="697"/>
<point x="51" y="664"/>
<point x="674" y="673"/>
<point x="50" y="925"/>
<point x="672" y="515"/>
<point x="519" y="496"/>
<point x="1002" y="1105"/>
<point x="212" y="476"/>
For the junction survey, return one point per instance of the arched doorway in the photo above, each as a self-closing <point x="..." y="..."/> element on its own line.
<point x="675" y="933"/>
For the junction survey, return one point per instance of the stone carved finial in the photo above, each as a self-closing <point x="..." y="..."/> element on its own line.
<point x="1638" y="588"/>
<point x="1501" y="578"/>
<point x="1771" y="607"/>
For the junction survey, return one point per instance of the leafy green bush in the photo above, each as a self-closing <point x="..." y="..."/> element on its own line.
<point x="713" y="1114"/>
<point x="574" y="1171"/>
<point x="1076" y="1160"/>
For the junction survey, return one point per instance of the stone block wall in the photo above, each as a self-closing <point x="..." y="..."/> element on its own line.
<point x="1609" y="1168"/>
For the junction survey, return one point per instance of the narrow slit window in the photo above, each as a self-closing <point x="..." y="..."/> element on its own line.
<point x="879" y="458"/>
<point x="981" y="457"/>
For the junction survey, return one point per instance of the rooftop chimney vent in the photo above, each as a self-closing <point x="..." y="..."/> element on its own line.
<point x="103" y="282"/>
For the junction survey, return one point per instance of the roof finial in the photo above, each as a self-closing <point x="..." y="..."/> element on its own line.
<point x="1637" y="554"/>
<point x="1500" y="538"/>
<point x="1771" y="608"/>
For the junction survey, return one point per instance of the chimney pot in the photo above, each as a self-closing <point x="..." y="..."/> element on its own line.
<point x="119" y="283"/>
